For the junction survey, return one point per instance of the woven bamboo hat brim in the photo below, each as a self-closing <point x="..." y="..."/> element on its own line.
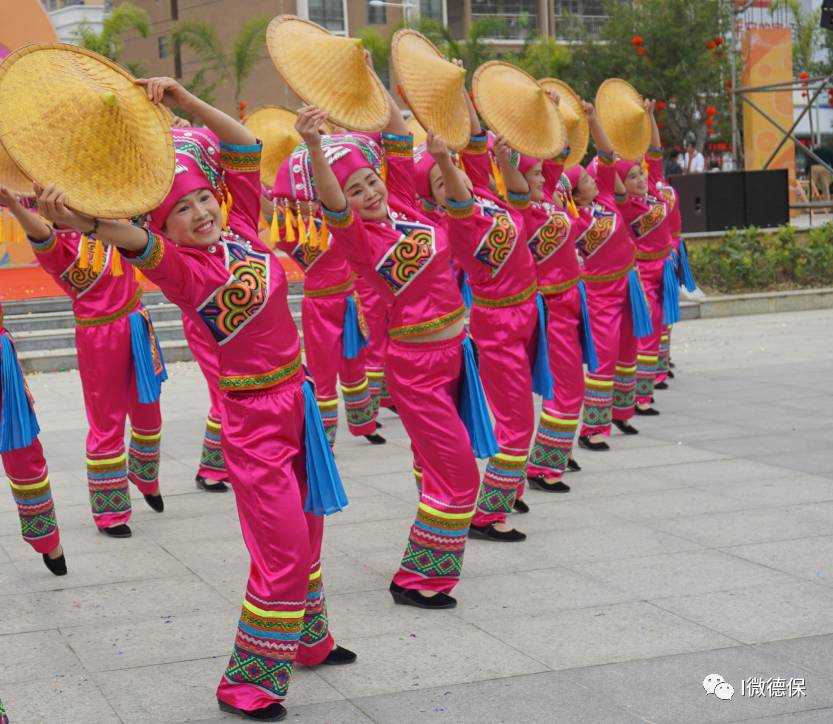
<point x="12" y="177"/>
<point x="275" y="127"/>
<point x="419" y="133"/>
<point x="74" y="118"/>
<point x="328" y="71"/>
<point x="432" y="87"/>
<point x="574" y="117"/>
<point x="516" y="107"/>
<point x="622" y="115"/>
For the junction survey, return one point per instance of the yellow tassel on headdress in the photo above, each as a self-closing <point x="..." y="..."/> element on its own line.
<point x="224" y="214"/>
<point x="571" y="207"/>
<point x="383" y="170"/>
<point x="83" y="256"/>
<point x="138" y="275"/>
<point x="116" y="268"/>
<point x="302" y="229"/>
<point x="500" y="184"/>
<point x="313" y="233"/>
<point x="274" y="231"/>
<point x="98" y="257"/>
<point x="325" y="236"/>
<point x="20" y="234"/>
<point x="288" y="227"/>
<point x="645" y="167"/>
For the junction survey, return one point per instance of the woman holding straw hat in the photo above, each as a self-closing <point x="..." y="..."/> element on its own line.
<point x="120" y="364"/>
<point x="220" y="274"/>
<point x="22" y="455"/>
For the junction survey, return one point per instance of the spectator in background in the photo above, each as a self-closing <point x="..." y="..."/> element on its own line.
<point x="820" y="177"/>
<point x="714" y="165"/>
<point x="693" y="161"/>
<point x="672" y="164"/>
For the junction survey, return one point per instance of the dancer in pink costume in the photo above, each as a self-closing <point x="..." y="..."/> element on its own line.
<point x="604" y="243"/>
<point x="376" y="313"/>
<point x="329" y="294"/>
<point x="406" y="260"/>
<point x="110" y="324"/>
<point x="647" y="213"/>
<point x="228" y="281"/>
<point x="23" y="459"/>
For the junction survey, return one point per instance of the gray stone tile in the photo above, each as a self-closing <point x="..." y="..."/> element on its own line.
<point x="810" y="558"/>
<point x="602" y="634"/>
<point x="815" y="716"/>
<point x="35" y="656"/>
<point x="11" y="582"/>
<point x="449" y="652"/>
<point x="340" y="712"/>
<point x="761" y="613"/>
<point x="667" y="504"/>
<point x="718" y="472"/>
<point x="626" y="457"/>
<point x="811" y="652"/>
<point x="58" y="700"/>
<point x="789" y="489"/>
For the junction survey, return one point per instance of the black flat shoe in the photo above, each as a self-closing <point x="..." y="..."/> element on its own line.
<point x="573" y="466"/>
<point x="215" y="486"/>
<point x="155" y="502"/>
<point x="379" y="425"/>
<point x="661" y="385"/>
<point x="340" y="656"/>
<point x="58" y="565"/>
<point x="375" y="439"/>
<point x="273" y="712"/>
<point x="625" y="428"/>
<point x="588" y="445"/>
<point x="519" y="506"/>
<point x="489" y="532"/>
<point x="671" y="365"/>
<point x="412" y="597"/>
<point x="647" y="412"/>
<point x="117" y="531"/>
<point x="540" y="482"/>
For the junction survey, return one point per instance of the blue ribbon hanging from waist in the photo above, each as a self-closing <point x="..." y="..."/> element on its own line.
<point x="352" y="341"/>
<point x="18" y="423"/>
<point x="588" y="347"/>
<point x="670" y="292"/>
<point x="640" y="311"/>
<point x="542" y="380"/>
<point x="472" y="407"/>
<point x="325" y="490"/>
<point x="148" y="362"/>
<point x="686" y="275"/>
<point x="465" y="290"/>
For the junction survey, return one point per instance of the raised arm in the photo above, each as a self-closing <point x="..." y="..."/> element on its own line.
<point x="597" y="131"/>
<point x="654" y="155"/>
<point x="455" y="187"/>
<point x="516" y="182"/>
<point x="33" y="227"/>
<point x="326" y="184"/>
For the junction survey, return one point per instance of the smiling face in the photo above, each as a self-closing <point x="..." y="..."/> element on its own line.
<point x="586" y="191"/>
<point x="195" y="220"/>
<point x="437" y="182"/>
<point x="366" y="194"/>
<point x="636" y="182"/>
<point x="535" y="178"/>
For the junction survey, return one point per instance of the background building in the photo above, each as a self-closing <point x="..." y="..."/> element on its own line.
<point x="67" y="15"/>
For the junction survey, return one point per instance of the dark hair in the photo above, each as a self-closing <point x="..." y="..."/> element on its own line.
<point x="674" y="153"/>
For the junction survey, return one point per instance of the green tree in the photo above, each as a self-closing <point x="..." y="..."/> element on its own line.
<point x="378" y="44"/>
<point x="543" y="58"/>
<point x="108" y="42"/>
<point x="219" y="65"/>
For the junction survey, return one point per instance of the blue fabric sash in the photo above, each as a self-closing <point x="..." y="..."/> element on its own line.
<point x="325" y="491"/>
<point x="352" y="341"/>
<point x="686" y="276"/>
<point x="473" y="409"/>
<point x="465" y="290"/>
<point x="670" y="292"/>
<point x="542" y="381"/>
<point x="150" y="372"/>
<point x="588" y="347"/>
<point x="642" y="326"/>
<point x="18" y="424"/>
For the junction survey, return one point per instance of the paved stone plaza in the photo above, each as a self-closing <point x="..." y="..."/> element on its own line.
<point x="702" y="546"/>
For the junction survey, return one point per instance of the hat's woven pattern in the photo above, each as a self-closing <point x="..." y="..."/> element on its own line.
<point x="622" y="114"/>
<point x="327" y="71"/>
<point x="516" y="107"/>
<point x="432" y="86"/>
<point x="12" y="177"/>
<point x="74" y="118"/>
<point x="575" y="120"/>
<point x="275" y="127"/>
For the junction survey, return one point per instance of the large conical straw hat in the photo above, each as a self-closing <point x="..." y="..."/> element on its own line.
<point x="623" y="116"/>
<point x="74" y="118"/>
<point x="12" y="177"/>
<point x="516" y="107"/>
<point x="432" y="87"/>
<point x="415" y="127"/>
<point x="275" y="127"/>
<point x="574" y="117"/>
<point x="328" y="71"/>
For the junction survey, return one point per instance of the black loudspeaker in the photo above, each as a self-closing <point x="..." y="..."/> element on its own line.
<point x="767" y="198"/>
<point x="711" y="201"/>
<point x="827" y="14"/>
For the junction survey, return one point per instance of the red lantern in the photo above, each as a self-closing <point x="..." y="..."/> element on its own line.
<point x="803" y="94"/>
<point x="710" y="45"/>
<point x="718" y="41"/>
<point x="641" y="51"/>
<point x="637" y="40"/>
<point x="804" y="76"/>
<point x="711" y="111"/>
<point x="660" y="105"/>
<point x="710" y="122"/>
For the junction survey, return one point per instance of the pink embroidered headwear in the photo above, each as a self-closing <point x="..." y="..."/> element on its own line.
<point x="573" y="175"/>
<point x="623" y="168"/>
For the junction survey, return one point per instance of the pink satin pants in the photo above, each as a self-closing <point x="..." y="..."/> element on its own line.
<point x="376" y="314"/>
<point x="647" y="357"/>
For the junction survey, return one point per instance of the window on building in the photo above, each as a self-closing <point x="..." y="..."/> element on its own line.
<point x="519" y="17"/>
<point x="164" y="49"/>
<point x="434" y="9"/>
<point x="328" y="13"/>
<point x="578" y="18"/>
<point x="376" y="14"/>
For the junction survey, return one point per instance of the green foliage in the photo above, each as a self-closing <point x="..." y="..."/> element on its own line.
<point x="543" y="58"/>
<point x="122" y="19"/>
<point x="247" y="49"/>
<point x="750" y="260"/>
<point x="379" y="46"/>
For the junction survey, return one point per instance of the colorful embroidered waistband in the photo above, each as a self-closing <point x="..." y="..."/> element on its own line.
<point x="613" y="276"/>
<point x="429" y="326"/>
<point x="329" y="291"/>
<point x="107" y="318"/>
<point x="261" y="380"/>
<point x="654" y="255"/>
<point x="509" y="301"/>
<point x="549" y="290"/>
